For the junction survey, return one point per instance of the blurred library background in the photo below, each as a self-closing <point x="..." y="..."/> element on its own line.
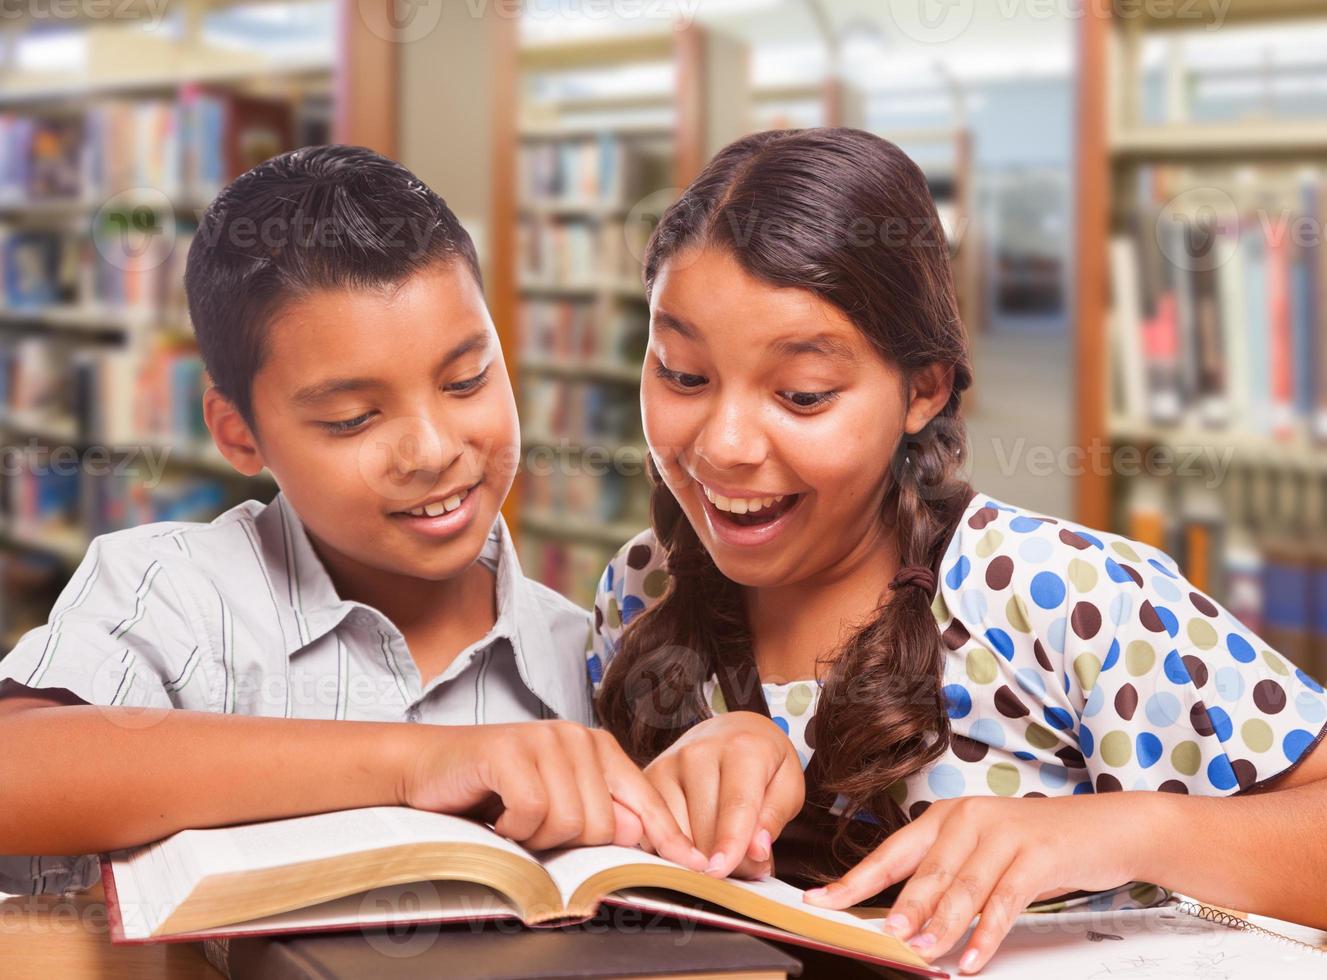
<point x="1134" y="200"/>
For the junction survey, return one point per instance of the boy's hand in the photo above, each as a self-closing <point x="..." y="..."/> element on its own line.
<point x="549" y="783"/>
<point x="733" y="782"/>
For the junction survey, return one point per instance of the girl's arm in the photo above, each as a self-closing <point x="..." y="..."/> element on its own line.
<point x="1263" y="852"/>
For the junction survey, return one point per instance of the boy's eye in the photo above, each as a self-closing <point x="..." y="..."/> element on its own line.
<point x="809" y="399"/>
<point x="679" y="378"/>
<point x="469" y="384"/>
<point x="347" y="425"/>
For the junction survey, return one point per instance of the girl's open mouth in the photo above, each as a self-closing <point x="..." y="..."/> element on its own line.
<point x="748" y="520"/>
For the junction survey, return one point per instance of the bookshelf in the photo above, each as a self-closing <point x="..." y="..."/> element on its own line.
<point x="594" y="164"/>
<point x="104" y="174"/>
<point x="1202" y="323"/>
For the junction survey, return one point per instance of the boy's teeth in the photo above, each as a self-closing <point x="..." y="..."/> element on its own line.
<point x="740" y="505"/>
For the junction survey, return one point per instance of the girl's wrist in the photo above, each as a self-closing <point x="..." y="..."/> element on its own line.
<point x="1152" y="833"/>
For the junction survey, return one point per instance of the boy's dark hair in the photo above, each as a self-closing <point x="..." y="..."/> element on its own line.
<point x="321" y="217"/>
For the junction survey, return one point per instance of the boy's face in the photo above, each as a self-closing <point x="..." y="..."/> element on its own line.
<point x="372" y="403"/>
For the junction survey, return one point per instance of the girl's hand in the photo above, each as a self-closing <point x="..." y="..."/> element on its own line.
<point x="732" y="783"/>
<point x="544" y="783"/>
<point x="993" y="856"/>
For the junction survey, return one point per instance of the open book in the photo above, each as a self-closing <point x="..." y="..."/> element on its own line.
<point x="382" y="866"/>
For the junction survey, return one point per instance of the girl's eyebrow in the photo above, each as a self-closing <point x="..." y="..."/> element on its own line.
<point x="665" y="319"/>
<point x="823" y="344"/>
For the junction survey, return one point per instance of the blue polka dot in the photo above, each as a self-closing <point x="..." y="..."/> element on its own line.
<point x="1311" y="709"/>
<point x="1148" y="747"/>
<point x="1095" y="701"/>
<point x="1053" y="776"/>
<point x="1001" y="641"/>
<point x="946" y="781"/>
<point x="1168" y="619"/>
<point x="1112" y="655"/>
<point x="1240" y="648"/>
<point x="1059" y="718"/>
<point x="1165" y="588"/>
<point x="1229" y="683"/>
<point x="1219" y="773"/>
<point x="1083" y="787"/>
<point x="781" y="722"/>
<point x="606" y="583"/>
<point x="1066" y="682"/>
<point x="1120" y="608"/>
<point x="1022" y="525"/>
<point x="1025" y="756"/>
<point x="1030" y="680"/>
<point x="1116" y="572"/>
<point x="1221" y="722"/>
<point x="632" y="606"/>
<point x="1101" y="902"/>
<point x="1034" y="551"/>
<point x="987" y="730"/>
<point x="1055" y="634"/>
<point x="1161" y="568"/>
<point x="1309" y="682"/>
<point x="959" y="572"/>
<point x="1090" y="538"/>
<point x="1047" y="590"/>
<point x="1085" y="741"/>
<point x="973" y="604"/>
<point x="595" y="668"/>
<point x="1295" y="742"/>
<point x="958" y="702"/>
<point x="1162" y="709"/>
<point x="1175" y="670"/>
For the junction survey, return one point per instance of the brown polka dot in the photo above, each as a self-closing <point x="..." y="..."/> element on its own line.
<point x="1008" y="704"/>
<point x="1174" y="786"/>
<point x="918" y="808"/>
<point x="1199" y="719"/>
<point x="1197" y="668"/>
<point x="1042" y="659"/>
<point x="1071" y="757"/>
<point x="1034" y="795"/>
<point x="1074" y="540"/>
<point x="1133" y="573"/>
<point x="1269" y="696"/>
<point x="955" y="635"/>
<point x="809" y="733"/>
<point x="1203" y="604"/>
<point x="1106" y="783"/>
<point x="1147" y="615"/>
<point x="598" y="620"/>
<point x="639" y="556"/>
<point x="1086" y="620"/>
<point x="983" y="517"/>
<point x="968" y="749"/>
<point x="999" y="572"/>
<point x="1126" y="701"/>
<point x="1246" y="772"/>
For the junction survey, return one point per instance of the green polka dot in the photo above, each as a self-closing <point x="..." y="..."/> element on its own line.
<point x="1002" y="778"/>
<point x="1145" y="894"/>
<point x="981" y="665"/>
<point x="1202" y="633"/>
<point x="656" y="582"/>
<point x="898" y="791"/>
<point x="1082" y="575"/>
<point x="1139" y="658"/>
<point x="612" y="615"/>
<point x="1275" y="662"/>
<point x="1087" y="666"/>
<point x="1186" y="757"/>
<point x="939" y="609"/>
<point x="1016" y="612"/>
<point x="717" y="702"/>
<point x="1124" y="551"/>
<point x="1040" y="737"/>
<point x="1116" y="748"/>
<point x="798" y="699"/>
<point x="1257" y="734"/>
<point x="988" y="543"/>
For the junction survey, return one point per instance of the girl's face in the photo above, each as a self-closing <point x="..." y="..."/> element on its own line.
<point x="772" y="419"/>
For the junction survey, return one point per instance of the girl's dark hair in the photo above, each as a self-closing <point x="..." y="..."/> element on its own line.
<point x="322" y="217"/>
<point x="848" y="216"/>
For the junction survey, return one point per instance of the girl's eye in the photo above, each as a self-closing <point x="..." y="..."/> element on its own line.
<point x="469" y="384"/>
<point x="809" y="399"/>
<point x="348" y="425"/>
<point x="679" y="378"/>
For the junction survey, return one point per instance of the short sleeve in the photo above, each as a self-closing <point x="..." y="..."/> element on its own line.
<point x="117" y="635"/>
<point x="635" y="579"/>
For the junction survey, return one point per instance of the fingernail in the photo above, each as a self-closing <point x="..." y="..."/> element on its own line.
<point x="716" y="862"/>
<point x="924" y="941"/>
<point x="968" y="961"/>
<point x="897" y="924"/>
<point x="763" y="843"/>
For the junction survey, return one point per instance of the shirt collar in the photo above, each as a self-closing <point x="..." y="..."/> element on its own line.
<point x="315" y="608"/>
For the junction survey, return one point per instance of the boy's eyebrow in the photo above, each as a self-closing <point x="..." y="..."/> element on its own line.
<point x="823" y="344"/>
<point x="320" y="390"/>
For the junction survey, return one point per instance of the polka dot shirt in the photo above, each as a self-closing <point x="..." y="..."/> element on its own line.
<point x="1076" y="661"/>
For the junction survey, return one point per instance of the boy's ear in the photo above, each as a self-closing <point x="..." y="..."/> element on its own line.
<point x="928" y="393"/>
<point x="231" y="433"/>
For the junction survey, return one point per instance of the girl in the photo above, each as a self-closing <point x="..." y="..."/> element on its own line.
<point x="827" y="629"/>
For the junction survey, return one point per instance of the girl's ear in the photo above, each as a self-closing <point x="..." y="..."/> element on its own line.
<point x="928" y="393"/>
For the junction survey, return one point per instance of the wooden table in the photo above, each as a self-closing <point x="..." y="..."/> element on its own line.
<point x="46" y="937"/>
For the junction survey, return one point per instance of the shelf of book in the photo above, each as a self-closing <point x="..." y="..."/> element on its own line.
<point x="1201" y="310"/>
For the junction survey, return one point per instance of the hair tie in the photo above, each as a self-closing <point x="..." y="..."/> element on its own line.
<point x="917" y="575"/>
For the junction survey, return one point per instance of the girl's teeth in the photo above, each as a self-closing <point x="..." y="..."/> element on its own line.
<point x="740" y="505"/>
<point x="441" y="506"/>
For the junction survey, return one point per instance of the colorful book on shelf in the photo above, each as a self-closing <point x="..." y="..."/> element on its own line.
<point x="319" y="872"/>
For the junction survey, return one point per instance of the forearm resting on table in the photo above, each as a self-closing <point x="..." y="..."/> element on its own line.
<point x="1264" y="853"/>
<point x="85" y="779"/>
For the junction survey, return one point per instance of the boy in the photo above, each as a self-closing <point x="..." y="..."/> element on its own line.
<point x="196" y="675"/>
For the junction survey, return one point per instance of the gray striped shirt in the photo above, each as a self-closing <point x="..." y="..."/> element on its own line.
<point x="240" y="616"/>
